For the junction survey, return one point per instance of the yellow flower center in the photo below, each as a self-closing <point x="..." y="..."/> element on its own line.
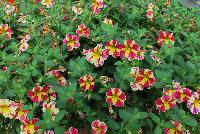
<point x="99" y="129"/>
<point x="197" y="103"/>
<point x="166" y="104"/>
<point x="5" y="108"/>
<point x="115" y="98"/>
<point x="97" y="54"/>
<point x="112" y="48"/>
<point x="30" y="128"/>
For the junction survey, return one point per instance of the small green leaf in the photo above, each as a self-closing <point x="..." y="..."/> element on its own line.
<point x="155" y="118"/>
<point x="60" y="115"/>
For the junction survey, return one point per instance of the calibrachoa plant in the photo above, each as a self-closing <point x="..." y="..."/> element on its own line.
<point x="99" y="67"/>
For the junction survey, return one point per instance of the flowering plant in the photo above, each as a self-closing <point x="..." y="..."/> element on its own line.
<point x="99" y="66"/>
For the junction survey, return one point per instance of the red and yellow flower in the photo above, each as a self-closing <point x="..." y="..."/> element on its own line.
<point x="183" y="95"/>
<point x="143" y="78"/>
<point x="98" y="127"/>
<point x="113" y="47"/>
<point x="42" y="94"/>
<point x="6" y="31"/>
<point x="194" y="102"/>
<point x="96" y="6"/>
<point x="72" y="130"/>
<point x="52" y="109"/>
<point x="114" y="96"/>
<point x="20" y="113"/>
<point x="177" y="129"/>
<point x="83" y="31"/>
<point x="72" y="42"/>
<point x="48" y="3"/>
<point x="164" y="103"/>
<point x="166" y="38"/>
<point x="87" y="82"/>
<point x="57" y="74"/>
<point x="29" y="127"/>
<point x="131" y="50"/>
<point x="96" y="55"/>
<point x="7" y="108"/>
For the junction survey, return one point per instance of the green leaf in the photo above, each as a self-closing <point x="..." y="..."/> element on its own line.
<point x="59" y="130"/>
<point x="158" y="130"/>
<point x="125" y="115"/>
<point x="60" y="115"/>
<point x="155" y="118"/>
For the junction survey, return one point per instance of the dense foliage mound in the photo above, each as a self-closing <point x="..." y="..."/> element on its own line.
<point x="99" y="66"/>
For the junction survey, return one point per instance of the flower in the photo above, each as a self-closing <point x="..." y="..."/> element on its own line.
<point x="143" y="78"/>
<point x="6" y="31"/>
<point x="98" y="127"/>
<point x="49" y="132"/>
<point x="130" y="50"/>
<point x="108" y="21"/>
<point x="87" y="82"/>
<point x="7" y="109"/>
<point x="23" y="46"/>
<point x="83" y="31"/>
<point x="149" y="12"/>
<point x="146" y="78"/>
<point x="113" y="47"/>
<point x="114" y="96"/>
<point x="48" y="3"/>
<point x="72" y="41"/>
<point x="96" y="6"/>
<point x="154" y="57"/>
<point x="77" y="10"/>
<point x="52" y="109"/>
<point x="96" y="55"/>
<point x="177" y="129"/>
<point x="20" y="113"/>
<point x="165" y="37"/>
<point x="169" y="92"/>
<point x="140" y="54"/>
<point x="136" y="86"/>
<point x="29" y="127"/>
<point x="57" y="74"/>
<point x="42" y="94"/>
<point x="45" y="30"/>
<point x="194" y="102"/>
<point x="183" y="95"/>
<point x="164" y="103"/>
<point x="4" y="69"/>
<point x="72" y="130"/>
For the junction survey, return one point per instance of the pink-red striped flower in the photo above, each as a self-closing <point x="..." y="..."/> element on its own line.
<point x="96" y="55"/>
<point x="166" y="38"/>
<point x="21" y="114"/>
<point x="42" y="94"/>
<point x="131" y="50"/>
<point x="113" y="47"/>
<point x="115" y="96"/>
<point x="6" y="31"/>
<point x="29" y="127"/>
<point x="96" y="6"/>
<point x="98" y="127"/>
<point x="51" y="106"/>
<point x="72" y="42"/>
<point x="194" y="102"/>
<point x="87" y="82"/>
<point x="165" y="103"/>
<point x="83" y="31"/>
<point x="183" y="95"/>
<point x="72" y="130"/>
<point x="177" y="129"/>
<point x="143" y="78"/>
